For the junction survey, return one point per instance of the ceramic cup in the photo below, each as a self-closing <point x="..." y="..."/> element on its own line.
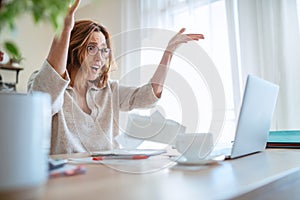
<point x="25" y="126"/>
<point x="194" y="146"/>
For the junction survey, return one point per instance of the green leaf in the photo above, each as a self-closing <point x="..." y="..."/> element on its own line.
<point x="12" y="49"/>
<point x="51" y="11"/>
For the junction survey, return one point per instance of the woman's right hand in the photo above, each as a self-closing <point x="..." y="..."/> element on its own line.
<point x="69" y="19"/>
<point x="58" y="54"/>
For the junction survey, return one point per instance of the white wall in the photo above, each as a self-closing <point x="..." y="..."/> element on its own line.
<point x="35" y="40"/>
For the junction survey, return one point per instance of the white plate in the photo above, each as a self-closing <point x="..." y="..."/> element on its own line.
<point x="210" y="160"/>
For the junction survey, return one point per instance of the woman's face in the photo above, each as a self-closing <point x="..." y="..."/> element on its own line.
<point x="96" y="56"/>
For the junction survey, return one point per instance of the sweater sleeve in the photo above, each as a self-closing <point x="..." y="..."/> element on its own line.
<point x="136" y="97"/>
<point x="49" y="81"/>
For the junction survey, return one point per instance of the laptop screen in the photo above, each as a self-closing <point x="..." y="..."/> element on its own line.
<point x="255" y="116"/>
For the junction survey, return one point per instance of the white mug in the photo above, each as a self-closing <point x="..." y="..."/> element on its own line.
<point x="25" y="126"/>
<point x="194" y="146"/>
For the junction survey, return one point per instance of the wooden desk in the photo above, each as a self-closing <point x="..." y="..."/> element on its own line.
<point x="273" y="174"/>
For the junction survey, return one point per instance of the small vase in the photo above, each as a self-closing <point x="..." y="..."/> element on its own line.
<point x="14" y="64"/>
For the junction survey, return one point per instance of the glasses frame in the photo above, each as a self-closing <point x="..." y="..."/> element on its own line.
<point x="104" y="52"/>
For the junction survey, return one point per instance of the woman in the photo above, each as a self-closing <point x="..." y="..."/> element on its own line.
<point x="85" y="103"/>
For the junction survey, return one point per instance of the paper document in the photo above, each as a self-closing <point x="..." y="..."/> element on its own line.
<point x="128" y="142"/>
<point x="153" y="128"/>
<point x="129" y="152"/>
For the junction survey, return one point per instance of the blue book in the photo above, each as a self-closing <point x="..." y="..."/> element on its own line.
<point x="284" y="139"/>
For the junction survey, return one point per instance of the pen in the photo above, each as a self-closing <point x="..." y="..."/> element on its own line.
<point x="135" y="157"/>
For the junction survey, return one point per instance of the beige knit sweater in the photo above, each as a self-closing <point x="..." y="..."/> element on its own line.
<point x="75" y="131"/>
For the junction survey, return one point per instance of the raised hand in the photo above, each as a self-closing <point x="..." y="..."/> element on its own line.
<point x="58" y="53"/>
<point x="69" y="19"/>
<point x="180" y="38"/>
<point x="160" y="74"/>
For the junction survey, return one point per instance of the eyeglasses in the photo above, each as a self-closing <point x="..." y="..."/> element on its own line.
<point x="93" y="50"/>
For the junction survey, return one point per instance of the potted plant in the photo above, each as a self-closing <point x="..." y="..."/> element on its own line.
<point x="14" y="53"/>
<point x="51" y="11"/>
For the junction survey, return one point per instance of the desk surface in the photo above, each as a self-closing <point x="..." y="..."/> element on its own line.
<point x="274" y="172"/>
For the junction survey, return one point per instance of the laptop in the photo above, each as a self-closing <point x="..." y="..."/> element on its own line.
<point x="254" y="120"/>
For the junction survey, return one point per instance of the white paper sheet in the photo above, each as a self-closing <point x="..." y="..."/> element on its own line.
<point x="153" y="128"/>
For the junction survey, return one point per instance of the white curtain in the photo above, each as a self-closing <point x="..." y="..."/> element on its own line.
<point x="209" y="18"/>
<point x="259" y="37"/>
<point x="269" y="45"/>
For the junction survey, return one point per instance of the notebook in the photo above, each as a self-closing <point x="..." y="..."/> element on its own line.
<point x="284" y="139"/>
<point x="254" y="120"/>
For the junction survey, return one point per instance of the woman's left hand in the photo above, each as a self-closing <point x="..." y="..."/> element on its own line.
<point x="180" y="38"/>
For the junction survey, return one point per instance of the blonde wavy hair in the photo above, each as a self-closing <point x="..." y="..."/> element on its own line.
<point x="80" y="34"/>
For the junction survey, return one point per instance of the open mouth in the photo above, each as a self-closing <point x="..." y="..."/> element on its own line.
<point x="95" y="68"/>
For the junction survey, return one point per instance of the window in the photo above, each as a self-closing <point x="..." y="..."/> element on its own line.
<point x="211" y="20"/>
